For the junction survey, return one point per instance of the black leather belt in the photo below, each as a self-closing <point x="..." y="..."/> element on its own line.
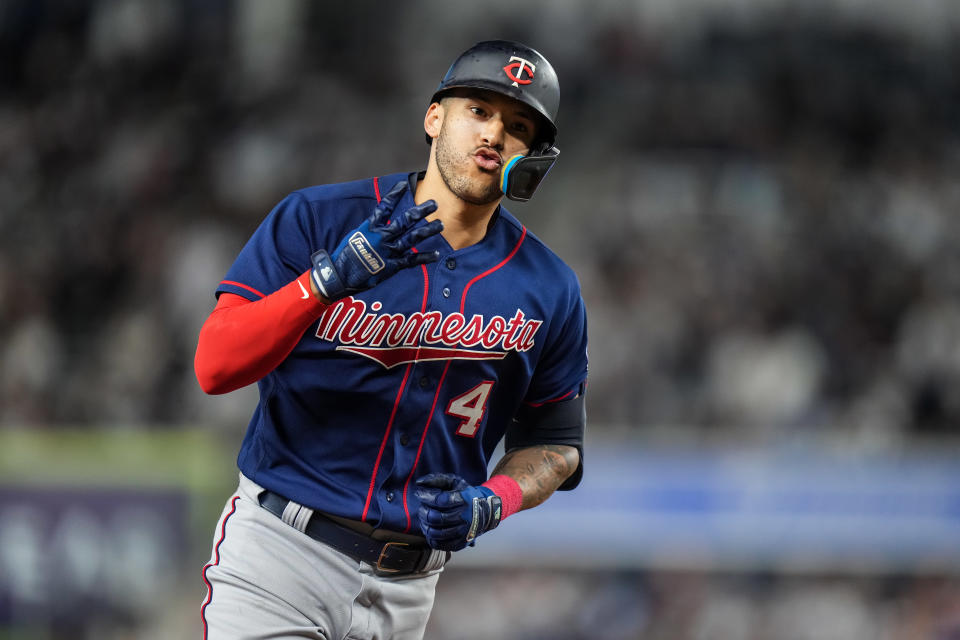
<point x="388" y="557"/>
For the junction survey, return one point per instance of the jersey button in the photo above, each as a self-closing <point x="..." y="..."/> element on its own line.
<point x="424" y="382"/>
<point x="446" y="292"/>
<point x="390" y="497"/>
<point x="451" y="264"/>
<point x="404" y="439"/>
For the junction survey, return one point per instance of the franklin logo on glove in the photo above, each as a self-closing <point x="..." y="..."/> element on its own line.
<point x="363" y="249"/>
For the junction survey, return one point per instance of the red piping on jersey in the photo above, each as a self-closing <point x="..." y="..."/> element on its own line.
<point x="383" y="443"/>
<point x="243" y="286"/>
<point x="423" y="438"/>
<point x="426" y="287"/>
<point x="393" y="413"/>
<point x="216" y="555"/>
<point x="463" y="299"/>
<point x="376" y="188"/>
<point x="423" y="307"/>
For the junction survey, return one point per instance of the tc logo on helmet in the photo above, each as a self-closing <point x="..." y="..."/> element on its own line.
<point x="515" y="70"/>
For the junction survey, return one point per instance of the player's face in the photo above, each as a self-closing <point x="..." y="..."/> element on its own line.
<point x="480" y="131"/>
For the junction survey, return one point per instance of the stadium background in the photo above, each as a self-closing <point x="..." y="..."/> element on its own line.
<point x="759" y="197"/>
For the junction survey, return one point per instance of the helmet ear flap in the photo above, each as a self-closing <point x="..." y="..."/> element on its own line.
<point x="521" y="175"/>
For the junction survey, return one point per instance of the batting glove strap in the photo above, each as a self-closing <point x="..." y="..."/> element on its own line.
<point x="486" y="510"/>
<point x="326" y="277"/>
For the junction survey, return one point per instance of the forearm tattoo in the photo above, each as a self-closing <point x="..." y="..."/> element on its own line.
<point x="539" y="470"/>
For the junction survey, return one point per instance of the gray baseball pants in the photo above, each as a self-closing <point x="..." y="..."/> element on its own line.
<point x="266" y="579"/>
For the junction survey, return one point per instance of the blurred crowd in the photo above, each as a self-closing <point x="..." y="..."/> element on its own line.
<point x="761" y="213"/>
<point x="689" y="605"/>
<point x="784" y="263"/>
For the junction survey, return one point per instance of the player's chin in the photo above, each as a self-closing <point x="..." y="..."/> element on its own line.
<point x="485" y="189"/>
<point x="473" y="186"/>
<point x="482" y="196"/>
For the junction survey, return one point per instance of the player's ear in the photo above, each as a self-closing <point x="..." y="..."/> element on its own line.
<point x="433" y="120"/>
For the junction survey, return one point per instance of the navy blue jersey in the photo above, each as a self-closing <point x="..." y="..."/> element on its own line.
<point x="419" y="374"/>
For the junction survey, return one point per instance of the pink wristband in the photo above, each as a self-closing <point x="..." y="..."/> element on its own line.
<point x="511" y="495"/>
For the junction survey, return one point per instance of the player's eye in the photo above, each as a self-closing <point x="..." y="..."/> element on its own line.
<point x="520" y="127"/>
<point x="478" y="111"/>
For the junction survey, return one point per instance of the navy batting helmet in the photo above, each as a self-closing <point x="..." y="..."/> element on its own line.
<point x="522" y="73"/>
<point x="512" y="69"/>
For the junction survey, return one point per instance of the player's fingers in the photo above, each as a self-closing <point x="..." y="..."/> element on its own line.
<point x="422" y="210"/>
<point x="427" y="495"/>
<point x="380" y="218"/>
<point x="424" y="257"/>
<point x="446" y="501"/>
<point x="385" y="207"/>
<point x="440" y="480"/>
<point x="414" y="236"/>
<point x="393" y="196"/>
<point x="413" y="259"/>
<point x="400" y="223"/>
<point x="450" y="500"/>
<point x="440" y="519"/>
<point x="441" y="500"/>
<point x="444" y="531"/>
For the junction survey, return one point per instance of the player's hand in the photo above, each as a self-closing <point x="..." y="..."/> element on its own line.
<point x="453" y="513"/>
<point x="376" y="249"/>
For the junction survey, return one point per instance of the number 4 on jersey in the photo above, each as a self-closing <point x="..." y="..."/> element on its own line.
<point x="470" y="406"/>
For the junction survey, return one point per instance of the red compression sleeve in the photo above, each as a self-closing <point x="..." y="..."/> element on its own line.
<point x="243" y="341"/>
<point x="511" y="495"/>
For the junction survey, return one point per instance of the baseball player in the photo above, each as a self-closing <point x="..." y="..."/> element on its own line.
<point x="399" y="327"/>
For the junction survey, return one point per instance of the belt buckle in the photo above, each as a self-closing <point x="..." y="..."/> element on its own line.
<point x="383" y="552"/>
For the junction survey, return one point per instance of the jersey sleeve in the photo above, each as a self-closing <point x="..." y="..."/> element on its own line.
<point x="277" y="252"/>
<point x="242" y="341"/>
<point x="561" y="372"/>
